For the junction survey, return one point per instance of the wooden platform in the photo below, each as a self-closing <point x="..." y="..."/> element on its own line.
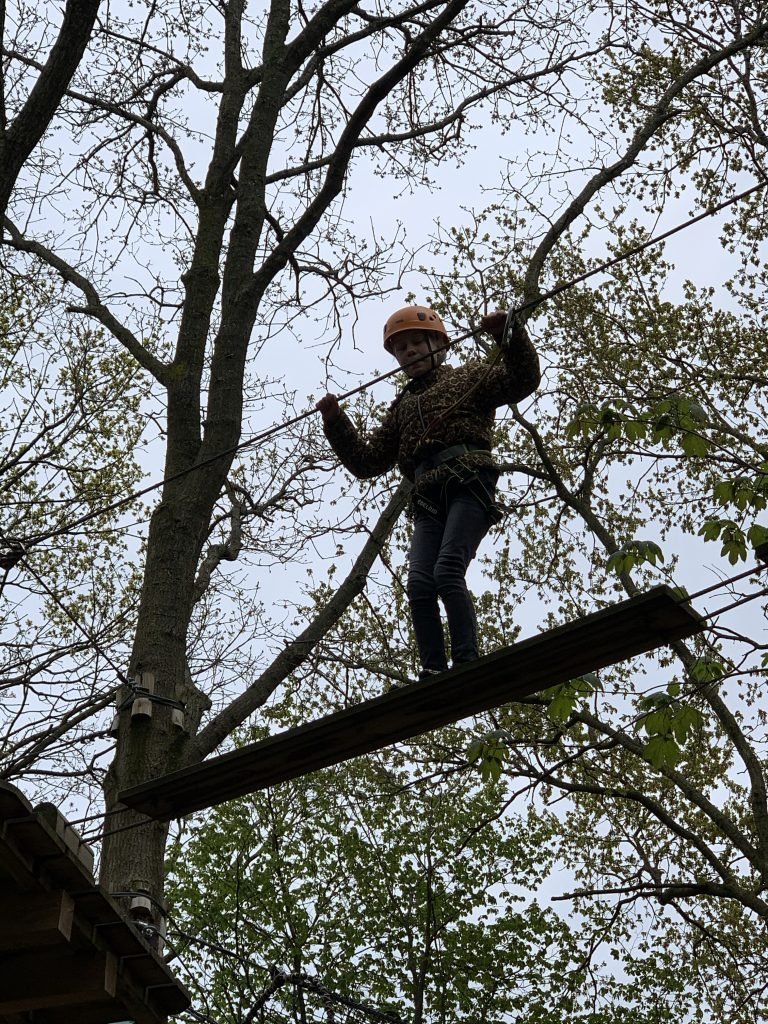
<point x="67" y="953"/>
<point x="603" y="638"/>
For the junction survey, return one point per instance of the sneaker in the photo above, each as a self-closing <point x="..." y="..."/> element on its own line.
<point x="427" y="673"/>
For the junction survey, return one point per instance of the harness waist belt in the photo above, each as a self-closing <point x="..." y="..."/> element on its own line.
<point x="433" y="461"/>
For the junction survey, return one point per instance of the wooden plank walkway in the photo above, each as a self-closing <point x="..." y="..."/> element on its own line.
<point x="603" y="638"/>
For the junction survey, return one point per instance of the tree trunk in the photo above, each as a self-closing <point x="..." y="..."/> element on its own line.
<point x="149" y="745"/>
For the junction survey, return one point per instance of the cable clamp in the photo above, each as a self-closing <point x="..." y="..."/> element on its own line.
<point x="141" y="700"/>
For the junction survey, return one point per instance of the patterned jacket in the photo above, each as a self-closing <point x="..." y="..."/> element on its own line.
<point x="445" y="407"/>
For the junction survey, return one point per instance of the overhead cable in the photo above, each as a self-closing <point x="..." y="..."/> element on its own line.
<point x="278" y="427"/>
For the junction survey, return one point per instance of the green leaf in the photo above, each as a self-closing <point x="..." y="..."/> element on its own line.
<point x="616" y="562"/>
<point x="634" y="553"/>
<point x="662" y="752"/>
<point x="475" y="750"/>
<point x="757" y="535"/>
<point x="712" y="529"/>
<point x="696" y="412"/>
<point x="723" y="492"/>
<point x="706" y="670"/>
<point x="563" y="698"/>
<point x="653" y="552"/>
<point x="656" y="723"/>
<point x="685" y="722"/>
<point x="735" y="550"/>
<point x="560" y="708"/>
<point x="635" y="430"/>
<point x="694" y="445"/>
<point x="586" y="684"/>
<point x="488" y="753"/>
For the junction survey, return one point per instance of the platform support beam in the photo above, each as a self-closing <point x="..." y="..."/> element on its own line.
<point x="31" y="981"/>
<point x="35" y="919"/>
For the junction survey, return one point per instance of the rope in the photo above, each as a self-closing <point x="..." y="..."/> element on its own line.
<point x="642" y="246"/>
<point x="94" y="817"/>
<point x="105" y="833"/>
<point x="247" y="443"/>
<point x="278" y="427"/>
<point x="737" y="604"/>
<point x="216" y="947"/>
<point x="723" y="583"/>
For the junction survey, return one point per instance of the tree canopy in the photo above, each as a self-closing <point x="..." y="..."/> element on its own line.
<point x="178" y="251"/>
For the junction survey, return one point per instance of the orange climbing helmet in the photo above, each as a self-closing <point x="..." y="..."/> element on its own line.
<point x="409" y="318"/>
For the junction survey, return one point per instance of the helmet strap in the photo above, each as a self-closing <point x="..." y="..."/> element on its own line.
<point x="437" y="353"/>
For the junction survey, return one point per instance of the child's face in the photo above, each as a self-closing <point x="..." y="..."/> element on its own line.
<point x="408" y="346"/>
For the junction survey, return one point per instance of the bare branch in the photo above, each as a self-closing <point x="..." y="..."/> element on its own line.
<point x="27" y="128"/>
<point x="298" y="650"/>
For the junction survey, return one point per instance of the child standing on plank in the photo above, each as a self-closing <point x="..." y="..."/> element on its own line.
<point x="439" y="432"/>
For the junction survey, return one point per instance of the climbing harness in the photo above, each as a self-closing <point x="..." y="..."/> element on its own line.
<point x="480" y="482"/>
<point x="455" y="450"/>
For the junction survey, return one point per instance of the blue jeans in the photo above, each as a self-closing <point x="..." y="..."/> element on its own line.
<point x="442" y="547"/>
